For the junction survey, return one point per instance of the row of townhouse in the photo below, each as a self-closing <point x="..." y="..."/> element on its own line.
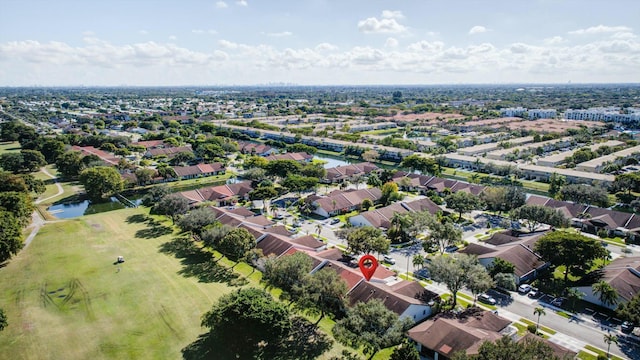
<point x="594" y="219"/>
<point x="405" y="298"/>
<point x="424" y="183"/>
<point x="340" y="202"/>
<point x="340" y="174"/>
<point x="382" y="217"/>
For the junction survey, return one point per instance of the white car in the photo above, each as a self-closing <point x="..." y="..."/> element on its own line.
<point x="388" y="259"/>
<point x="486" y="299"/>
<point x="524" y="288"/>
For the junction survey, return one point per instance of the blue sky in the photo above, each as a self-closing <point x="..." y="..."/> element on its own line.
<point x="317" y="42"/>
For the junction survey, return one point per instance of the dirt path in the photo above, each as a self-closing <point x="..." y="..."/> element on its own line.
<point x="37" y="221"/>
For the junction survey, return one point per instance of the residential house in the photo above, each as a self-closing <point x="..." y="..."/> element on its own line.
<point x="623" y="274"/>
<point x="516" y="250"/>
<point x="444" y="335"/>
<point x="343" y="173"/>
<point x="109" y="159"/>
<point x="219" y="195"/>
<point x="247" y="147"/>
<point x="381" y="218"/>
<point x="197" y="171"/>
<point x="344" y="201"/>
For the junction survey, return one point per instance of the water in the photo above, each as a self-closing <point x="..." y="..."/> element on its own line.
<point x="85" y="207"/>
<point x="335" y="161"/>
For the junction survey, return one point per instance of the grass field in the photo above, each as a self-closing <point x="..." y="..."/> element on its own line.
<point x="9" y="146"/>
<point x="65" y="299"/>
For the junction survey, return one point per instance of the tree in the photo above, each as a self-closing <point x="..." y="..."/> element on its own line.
<point x="282" y="168"/>
<point x="610" y="339"/>
<point x="367" y="239"/>
<point x="32" y="160"/>
<point x="10" y="236"/>
<point x="197" y="220"/>
<point x="514" y="198"/>
<point x="463" y="202"/>
<point x="507" y="349"/>
<point x="51" y="149"/>
<point x="479" y="281"/>
<point x="19" y="204"/>
<point x="211" y="236"/>
<point x="246" y="322"/>
<point x="323" y="292"/>
<point x="155" y="194"/>
<point x="370" y="155"/>
<point x="585" y="194"/>
<point x="172" y="205"/>
<point x="418" y="261"/>
<point x="390" y="193"/>
<point x="263" y="193"/>
<point x="374" y="181"/>
<point x="443" y="235"/>
<point x="101" y="181"/>
<point x="500" y="266"/>
<point x="631" y="310"/>
<point x="396" y="233"/>
<point x="3" y="320"/>
<point x="505" y="281"/>
<point x="454" y="271"/>
<point x="534" y="215"/>
<point x="366" y="204"/>
<point x="556" y="182"/>
<point x="287" y="273"/>
<point x="539" y="310"/>
<point x="255" y="162"/>
<point x="13" y="182"/>
<point x="12" y="162"/>
<point x="236" y="244"/>
<point x="297" y="183"/>
<point x="605" y="292"/>
<point x="372" y="326"/>
<point x="575" y="251"/>
<point x="145" y="175"/>
<point x="183" y="157"/>
<point x="70" y="164"/>
<point x="405" y="351"/>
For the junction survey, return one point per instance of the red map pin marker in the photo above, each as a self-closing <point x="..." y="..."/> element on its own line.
<point x="368" y="265"/>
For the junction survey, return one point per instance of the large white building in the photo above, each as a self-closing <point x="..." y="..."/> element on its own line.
<point x="541" y="114"/>
<point x="608" y="114"/>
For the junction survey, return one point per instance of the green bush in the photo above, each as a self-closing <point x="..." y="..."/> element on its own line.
<point x="532" y="328"/>
<point x="602" y="357"/>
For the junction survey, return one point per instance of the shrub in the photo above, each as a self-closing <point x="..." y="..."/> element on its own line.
<point x="532" y="328"/>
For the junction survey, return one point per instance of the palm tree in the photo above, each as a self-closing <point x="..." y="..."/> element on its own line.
<point x="610" y="338"/>
<point x="539" y="311"/>
<point x="318" y="228"/>
<point x="606" y="293"/>
<point x="417" y="261"/>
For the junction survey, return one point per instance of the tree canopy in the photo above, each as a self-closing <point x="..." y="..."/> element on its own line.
<point x="248" y="321"/>
<point x="454" y="271"/>
<point x="535" y="215"/>
<point x="367" y="239"/>
<point x="507" y="349"/>
<point x="287" y="273"/>
<point x="442" y="235"/>
<point x="371" y="326"/>
<point x="236" y="244"/>
<point x="323" y="292"/>
<point x="631" y="310"/>
<point x="172" y="205"/>
<point x="101" y="181"/>
<point x="576" y="252"/>
<point x="463" y="202"/>
<point x="585" y="194"/>
<point x="10" y="236"/>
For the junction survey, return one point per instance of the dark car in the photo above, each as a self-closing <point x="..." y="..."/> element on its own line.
<point x="422" y="274"/>
<point x="627" y="327"/>
<point x="334" y="221"/>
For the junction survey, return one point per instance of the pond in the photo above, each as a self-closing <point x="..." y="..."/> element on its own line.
<point x="333" y="161"/>
<point x="85" y="207"/>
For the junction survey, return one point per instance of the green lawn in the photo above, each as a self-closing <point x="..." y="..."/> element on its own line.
<point x="65" y="298"/>
<point x="602" y="352"/>
<point x="9" y="146"/>
<point x="543" y="328"/>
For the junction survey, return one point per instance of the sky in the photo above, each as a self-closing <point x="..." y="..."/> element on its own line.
<point x="317" y="42"/>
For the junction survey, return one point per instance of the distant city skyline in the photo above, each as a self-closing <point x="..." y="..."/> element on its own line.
<point x="317" y="42"/>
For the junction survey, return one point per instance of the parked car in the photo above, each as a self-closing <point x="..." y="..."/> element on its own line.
<point x="627" y="327"/>
<point x="334" y="221"/>
<point x="558" y="301"/>
<point x="534" y="293"/>
<point x="451" y="248"/>
<point x="524" y="288"/>
<point x="422" y="274"/>
<point x="388" y="259"/>
<point x="484" y="298"/>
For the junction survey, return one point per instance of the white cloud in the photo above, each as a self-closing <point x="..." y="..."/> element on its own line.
<point x="478" y="29"/>
<point x="221" y="5"/>
<point x="600" y="29"/>
<point x="100" y="62"/>
<point x="143" y="32"/>
<point x="391" y="42"/>
<point x="279" y="34"/>
<point x="173" y="37"/>
<point x="392" y="14"/>
<point x="388" y="24"/>
<point x="326" y="47"/>
<point x="554" y="40"/>
<point x="624" y="35"/>
<point x="242" y="3"/>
